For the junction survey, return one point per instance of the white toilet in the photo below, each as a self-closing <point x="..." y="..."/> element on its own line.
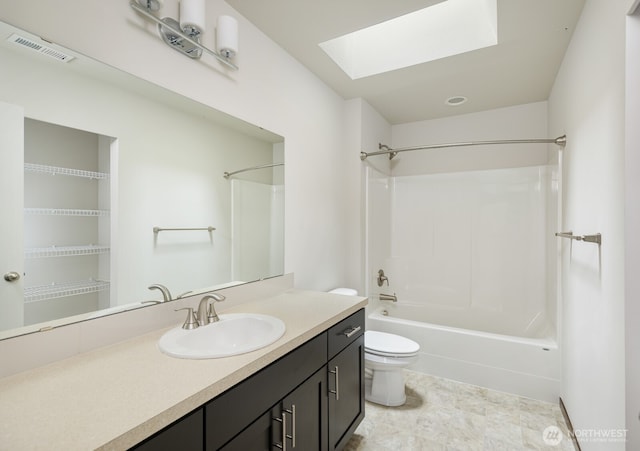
<point x="385" y="355"/>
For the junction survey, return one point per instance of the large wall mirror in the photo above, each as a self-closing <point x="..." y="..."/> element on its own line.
<point x="113" y="185"/>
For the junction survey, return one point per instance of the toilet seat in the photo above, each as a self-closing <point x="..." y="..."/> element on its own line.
<point x="389" y="345"/>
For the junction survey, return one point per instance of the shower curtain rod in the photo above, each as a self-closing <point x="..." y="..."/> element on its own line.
<point x="253" y="168"/>
<point x="561" y="141"/>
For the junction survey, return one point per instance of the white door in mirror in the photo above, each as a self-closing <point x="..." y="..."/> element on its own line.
<point x="235" y="333"/>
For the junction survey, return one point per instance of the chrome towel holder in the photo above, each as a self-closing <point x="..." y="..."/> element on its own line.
<point x="157" y="230"/>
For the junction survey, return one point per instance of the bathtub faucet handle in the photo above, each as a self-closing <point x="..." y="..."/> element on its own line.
<point x="382" y="278"/>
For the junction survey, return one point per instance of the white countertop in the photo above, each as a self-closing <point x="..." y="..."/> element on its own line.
<point x="115" y="397"/>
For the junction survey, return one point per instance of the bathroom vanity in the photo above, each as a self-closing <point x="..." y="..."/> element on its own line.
<point x="305" y="391"/>
<point x="310" y="399"/>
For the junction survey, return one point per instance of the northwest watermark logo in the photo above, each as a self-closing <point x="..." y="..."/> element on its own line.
<point x="552" y="436"/>
<point x="600" y="435"/>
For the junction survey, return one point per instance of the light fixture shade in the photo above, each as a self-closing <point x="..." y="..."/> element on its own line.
<point x="192" y="16"/>
<point x="227" y="36"/>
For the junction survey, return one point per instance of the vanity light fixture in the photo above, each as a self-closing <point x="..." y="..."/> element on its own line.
<point x="184" y="35"/>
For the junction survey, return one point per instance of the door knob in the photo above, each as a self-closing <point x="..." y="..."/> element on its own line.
<point x="11" y="276"/>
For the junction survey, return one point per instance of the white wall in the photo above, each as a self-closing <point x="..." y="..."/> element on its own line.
<point x="271" y="90"/>
<point x="364" y="129"/>
<point x="587" y="102"/>
<point x="632" y="225"/>
<point x="516" y="122"/>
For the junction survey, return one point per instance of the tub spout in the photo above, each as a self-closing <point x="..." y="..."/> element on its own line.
<point x="388" y="297"/>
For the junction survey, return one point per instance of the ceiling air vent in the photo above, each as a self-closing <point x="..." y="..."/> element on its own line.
<point x="37" y="47"/>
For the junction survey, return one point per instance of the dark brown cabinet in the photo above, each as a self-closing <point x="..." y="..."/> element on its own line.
<point x="299" y="420"/>
<point x="346" y="405"/>
<point x="186" y="434"/>
<point x="306" y="407"/>
<point x="256" y="437"/>
<point x="310" y="399"/>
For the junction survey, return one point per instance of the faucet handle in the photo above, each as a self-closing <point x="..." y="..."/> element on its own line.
<point x="191" y="322"/>
<point x="382" y="278"/>
<point x="212" y="316"/>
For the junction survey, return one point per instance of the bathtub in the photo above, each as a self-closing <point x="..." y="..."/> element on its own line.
<point x="523" y="365"/>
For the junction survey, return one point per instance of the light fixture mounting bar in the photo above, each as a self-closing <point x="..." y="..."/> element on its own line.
<point x="145" y="12"/>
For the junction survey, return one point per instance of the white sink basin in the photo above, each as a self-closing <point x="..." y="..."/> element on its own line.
<point x="235" y="333"/>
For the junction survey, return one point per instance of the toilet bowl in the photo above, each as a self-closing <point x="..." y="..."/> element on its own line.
<point x="385" y="356"/>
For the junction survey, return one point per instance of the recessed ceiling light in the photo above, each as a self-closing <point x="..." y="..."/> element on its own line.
<point x="456" y="100"/>
<point x="445" y="29"/>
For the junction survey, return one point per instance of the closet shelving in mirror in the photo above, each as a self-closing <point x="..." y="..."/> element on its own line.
<point x="55" y="170"/>
<point x="59" y="290"/>
<point x="48" y="184"/>
<point x="65" y="212"/>
<point x="65" y="251"/>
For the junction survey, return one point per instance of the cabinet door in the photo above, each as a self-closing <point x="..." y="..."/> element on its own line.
<point x="298" y="422"/>
<point x="346" y="393"/>
<point x="304" y="412"/>
<point x="257" y="437"/>
<point x="228" y="414"/>
<point x="187" y="434"/>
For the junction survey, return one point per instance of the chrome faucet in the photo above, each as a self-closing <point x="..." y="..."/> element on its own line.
<point x="207" y="312"/>
<point x="382" y="278"/>
<point x="166" y="295"/>
<point x="388" y="297"/>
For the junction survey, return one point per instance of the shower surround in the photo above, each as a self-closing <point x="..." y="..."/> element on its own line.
<point x="471" y="256"/>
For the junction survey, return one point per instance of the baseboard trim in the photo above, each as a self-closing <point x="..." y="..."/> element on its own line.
<point x="567" y="420"/>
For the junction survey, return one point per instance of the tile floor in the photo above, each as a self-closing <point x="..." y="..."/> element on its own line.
<point x="442" y="414"/>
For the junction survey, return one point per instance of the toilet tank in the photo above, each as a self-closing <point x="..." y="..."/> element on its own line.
<point x="344" y="291"/>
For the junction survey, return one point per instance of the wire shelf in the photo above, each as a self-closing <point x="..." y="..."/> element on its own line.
<point x="65" y="212"/>
<point x="55" y="170"/>
<point x="61" y="290"/>
<point x="64" y="251"/>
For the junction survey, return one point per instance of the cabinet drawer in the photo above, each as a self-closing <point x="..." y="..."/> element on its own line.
<point x="345" y="332"/>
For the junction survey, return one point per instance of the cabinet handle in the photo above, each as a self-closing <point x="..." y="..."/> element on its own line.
<point x="337" y="390"/>
<point x="354" y="330"/>
<point x="292" y="412"/>
<point x="283" y="420"/>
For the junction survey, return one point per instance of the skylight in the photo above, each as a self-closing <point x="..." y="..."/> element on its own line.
<point x="445" y="29"/>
